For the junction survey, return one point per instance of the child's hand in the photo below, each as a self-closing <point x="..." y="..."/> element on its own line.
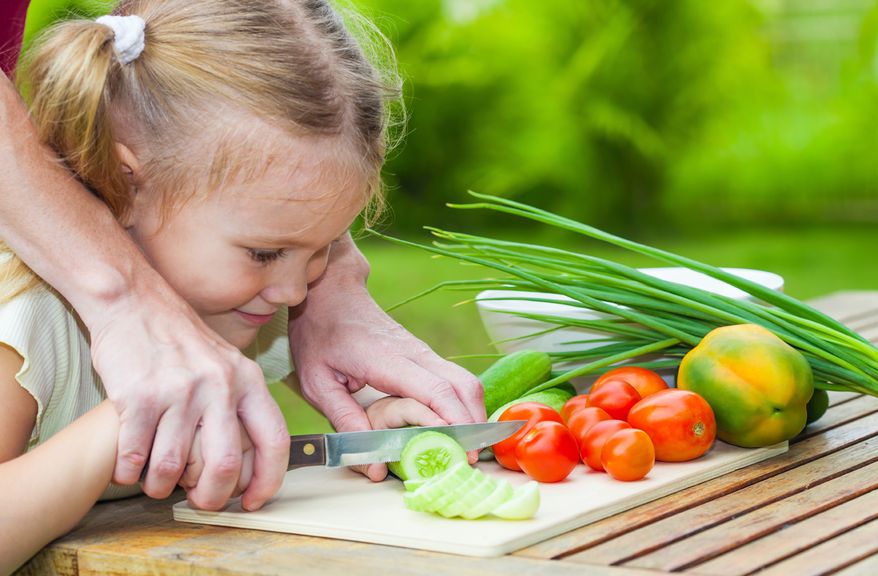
<point x="195" y="466"/>
<point x="395" y="412"/>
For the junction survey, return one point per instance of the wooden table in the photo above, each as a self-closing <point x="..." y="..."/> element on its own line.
<point x="813" y="510"/>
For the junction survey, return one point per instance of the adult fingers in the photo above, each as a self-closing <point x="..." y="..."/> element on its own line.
<point x="408" y="379"/>
<point x="468" y="387"/>
<point x="221" y="450"/>
<point x="334" y="400"/>
<point x="265" y="425"/>
<point x="137" y="426"/>
<point x="170" y="450"/>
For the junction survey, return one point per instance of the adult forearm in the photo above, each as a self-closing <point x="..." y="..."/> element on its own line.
<point x="48" y="490"/>
<point x="57" y="227"/>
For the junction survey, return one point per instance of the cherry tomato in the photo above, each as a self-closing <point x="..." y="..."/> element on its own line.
<point x="680" y="424"/>
<point x="628" y="455"/>
<point x="572" y="405"/>
<point x="645" y="381"/>
<point x="548" y="452"/>
<point x="593" y="442"/>
<point x="533" y="412"/>
<point x="583" y="419"/>
<point x="616" y="397"/>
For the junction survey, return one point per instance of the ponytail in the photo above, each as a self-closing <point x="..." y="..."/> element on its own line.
<point x="67" y="81"/>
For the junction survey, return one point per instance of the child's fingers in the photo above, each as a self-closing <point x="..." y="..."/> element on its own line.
<point x="409" y="412"/>
<point x="374" y="472"/>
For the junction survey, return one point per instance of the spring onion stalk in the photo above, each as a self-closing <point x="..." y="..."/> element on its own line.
<point x="642" y="316"/>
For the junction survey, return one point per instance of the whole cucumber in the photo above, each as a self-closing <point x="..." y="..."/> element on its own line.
<point x="513" y="375"/>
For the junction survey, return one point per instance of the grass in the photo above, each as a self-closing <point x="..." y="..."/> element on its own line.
<point x="813" y="261"/>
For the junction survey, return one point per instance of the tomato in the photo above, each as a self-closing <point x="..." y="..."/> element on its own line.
<point x="593" y="442"/>
<point x="572" y="405"/>
<point x="548" y="452"/>
<point x="583" y="419"/>
<point x="616" y="397"/>
<point x="645" y="381"/>
<point x="533" y="412"/>
<point x="628" y="455"/>
<point x="679" y="422"/>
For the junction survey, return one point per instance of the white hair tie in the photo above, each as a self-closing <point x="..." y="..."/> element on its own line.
<point x="129" y="37"/>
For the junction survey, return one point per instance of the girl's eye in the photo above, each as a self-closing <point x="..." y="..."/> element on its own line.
<point x="265" y="256"/>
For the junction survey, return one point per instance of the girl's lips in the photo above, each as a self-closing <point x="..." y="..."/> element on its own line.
<point x="256" y="319"/>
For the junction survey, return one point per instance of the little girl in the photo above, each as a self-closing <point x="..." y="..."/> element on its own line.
<point x="235" y="140"/>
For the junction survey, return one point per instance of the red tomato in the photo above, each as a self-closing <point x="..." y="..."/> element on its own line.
<point x="533" y="412"/>
<point x="645" y="381"/>
<point x="628" y="455"/>
<point x="548" y="452"/>
<point x="593" y="442"/>
<point x="680" y="423"/>
<point x="616" y="397"/>
<point x="583" y="419"/>
<point x="572" y="405"/>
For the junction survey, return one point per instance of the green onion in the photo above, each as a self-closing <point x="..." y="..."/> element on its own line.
<point x="642" y="315"/>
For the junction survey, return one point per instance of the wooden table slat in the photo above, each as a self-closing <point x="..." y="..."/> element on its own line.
<point x="865" y="567"/>
<point x="665" y="532"/>
<point x="836" y="439"/>
<point x="830" y="555"/>
<point x="738" y="529"/>
<point x="796" y="538"/>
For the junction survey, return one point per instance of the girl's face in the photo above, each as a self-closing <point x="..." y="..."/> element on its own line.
<point x="239" y="254"/>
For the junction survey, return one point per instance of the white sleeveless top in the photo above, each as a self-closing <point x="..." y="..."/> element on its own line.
<point x="57" y="369"/>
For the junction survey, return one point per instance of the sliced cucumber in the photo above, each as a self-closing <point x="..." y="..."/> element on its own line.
<point x="428" y="454"/>
<point x="455" y="494"/>
<point x="412" y="485"/>
<point x="502" y="492"/>
<point x="480" y="486"/>
<point x="522" y="505"/>
<point x="436" y="487"/>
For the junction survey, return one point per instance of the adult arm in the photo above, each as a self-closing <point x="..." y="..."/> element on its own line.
<point x="341" y="340"/>
<point x="164" y="370"/>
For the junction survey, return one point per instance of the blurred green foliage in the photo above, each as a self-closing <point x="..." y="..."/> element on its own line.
<point x="639" y="114"/>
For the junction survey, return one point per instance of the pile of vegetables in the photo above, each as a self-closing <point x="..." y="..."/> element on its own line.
<point x="647" y="315"/>
<point x="616" y="428"/>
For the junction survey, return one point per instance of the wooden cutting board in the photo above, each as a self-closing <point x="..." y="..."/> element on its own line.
<point x="339" y="503"/>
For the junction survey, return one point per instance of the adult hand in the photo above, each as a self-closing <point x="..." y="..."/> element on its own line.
<point x="167" y="373"/>
<point x="341" y="340"/>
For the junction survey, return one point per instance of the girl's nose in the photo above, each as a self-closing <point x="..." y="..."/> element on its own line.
<point x="286" y="290"/>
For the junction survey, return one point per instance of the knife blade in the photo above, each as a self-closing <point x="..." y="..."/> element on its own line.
<point x="374" y="446"/>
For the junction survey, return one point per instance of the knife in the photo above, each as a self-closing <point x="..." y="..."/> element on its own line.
<point x="373" y="446"/>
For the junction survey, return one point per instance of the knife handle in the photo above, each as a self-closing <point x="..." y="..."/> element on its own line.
<point x="307" y="450"/>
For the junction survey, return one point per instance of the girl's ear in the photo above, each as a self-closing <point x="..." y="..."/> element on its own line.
<point x="131" y="167"/>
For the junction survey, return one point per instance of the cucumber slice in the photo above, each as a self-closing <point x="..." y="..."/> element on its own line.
<point x="437" y="486"/>
<point x="412" y="485"/>
<point x="454" y="495"/>
<point x="522" y="505"/>
<point x="503" y="491"/>
<point x="428" y="454"/>
<point x="469" y="496"/>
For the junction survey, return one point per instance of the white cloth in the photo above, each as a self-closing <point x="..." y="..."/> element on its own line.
<point x="129" y="36"/>
<point x="57" y="369"/>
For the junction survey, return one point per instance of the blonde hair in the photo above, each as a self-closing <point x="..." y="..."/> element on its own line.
<point x="294" y="63"/>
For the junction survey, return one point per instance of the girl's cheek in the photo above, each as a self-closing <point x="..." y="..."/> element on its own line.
<point x="317" y="265"/>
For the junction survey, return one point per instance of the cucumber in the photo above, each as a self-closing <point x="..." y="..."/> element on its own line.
<point x="433" y="488"/>
<point x="480" y="486"/>
<point x="553" y="397"/>
<point x="426" y="455"/>
<point x="501" y="494"/>
<point x="513" y="375"/>
<point x="522" y="505"/>
<point x="441" y="481"/>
